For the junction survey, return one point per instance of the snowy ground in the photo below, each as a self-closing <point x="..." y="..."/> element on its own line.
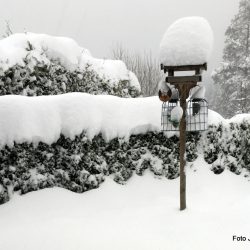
<point x="140" y="215"/>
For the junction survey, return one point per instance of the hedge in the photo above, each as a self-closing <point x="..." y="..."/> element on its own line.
<point x="80" y="164"/>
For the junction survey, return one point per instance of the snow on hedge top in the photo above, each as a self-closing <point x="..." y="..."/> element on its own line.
<point x="44" y="48"/>
<point x="188" y="41"/>
<point x="45" y="118"/>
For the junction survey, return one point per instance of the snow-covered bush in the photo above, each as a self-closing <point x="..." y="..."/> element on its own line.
<point x="33" y="65"/>
<point x="82" y="164"/>
<point x="76" y="139"/>
<point x="228" y="147"/>
<point x="55" y="79"/>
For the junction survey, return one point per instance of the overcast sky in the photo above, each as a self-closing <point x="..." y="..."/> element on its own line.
<point x="99" y="24"/>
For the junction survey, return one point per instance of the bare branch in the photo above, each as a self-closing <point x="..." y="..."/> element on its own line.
<point x="145" y="67"/>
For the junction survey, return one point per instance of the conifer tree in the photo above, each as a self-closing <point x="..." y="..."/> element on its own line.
<point x="232" y="77"/>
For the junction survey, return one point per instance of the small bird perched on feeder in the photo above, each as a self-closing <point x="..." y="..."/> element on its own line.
<point x="165" y="91"/>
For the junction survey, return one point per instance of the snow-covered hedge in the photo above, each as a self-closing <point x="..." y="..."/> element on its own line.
<point x="228" y="146"/>
<point x="82" y="164"/>
<point x="75" y="140"/>
<point x="35" y="64"/>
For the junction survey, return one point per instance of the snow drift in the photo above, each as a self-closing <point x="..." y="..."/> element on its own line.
<point x="188" y="41"/>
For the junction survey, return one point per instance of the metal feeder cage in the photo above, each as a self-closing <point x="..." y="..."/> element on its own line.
<point x="196" y="115"/>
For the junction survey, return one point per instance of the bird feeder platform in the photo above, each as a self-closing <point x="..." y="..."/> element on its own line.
<point x="172" y="79"/>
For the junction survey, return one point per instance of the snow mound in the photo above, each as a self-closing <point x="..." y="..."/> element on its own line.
<point x="44" y="48"/>
<point x="44" y="118"/>
<point x="188" y="41"/>
<point x="215" y="118"/>
<point x="240" y="118"/>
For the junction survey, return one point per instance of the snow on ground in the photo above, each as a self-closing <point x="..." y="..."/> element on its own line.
<point x="44" y="118"/>
<point x="188" y="41"/>
<point x="44" y="48"/>
<point x="141" y="215"/>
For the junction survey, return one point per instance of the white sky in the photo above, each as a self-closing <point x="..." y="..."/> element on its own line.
<point x="100" y="24"/>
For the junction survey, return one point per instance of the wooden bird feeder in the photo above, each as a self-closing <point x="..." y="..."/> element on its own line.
<point x="188" y="121"/>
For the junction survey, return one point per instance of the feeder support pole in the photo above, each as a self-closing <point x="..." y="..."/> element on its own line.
<point x="183" y="105"/>
<point x="183" y="89"/>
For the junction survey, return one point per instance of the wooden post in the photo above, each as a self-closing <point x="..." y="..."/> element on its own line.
<point x="184" y="93"/>
<point x="183" y="150"/>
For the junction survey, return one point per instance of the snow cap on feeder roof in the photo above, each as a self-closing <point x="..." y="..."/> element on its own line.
<point x="188" y="41"/>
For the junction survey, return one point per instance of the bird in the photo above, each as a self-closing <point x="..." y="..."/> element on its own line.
<point x="165" y="96"/>
<point x="164" y="92"/>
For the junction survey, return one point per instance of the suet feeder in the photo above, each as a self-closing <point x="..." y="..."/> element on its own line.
<point x="196" y="115"/>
